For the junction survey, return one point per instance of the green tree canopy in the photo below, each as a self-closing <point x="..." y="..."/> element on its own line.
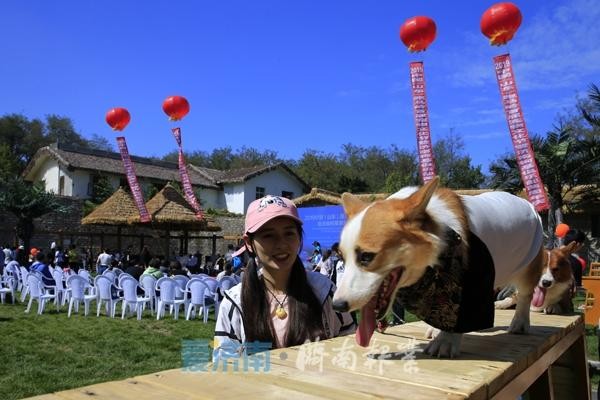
<point x="27" y="202"/>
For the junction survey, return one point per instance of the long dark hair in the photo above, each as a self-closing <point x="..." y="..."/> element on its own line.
<point x="305" y="311"/>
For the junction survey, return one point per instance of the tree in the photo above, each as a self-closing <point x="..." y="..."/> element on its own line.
<point x="27" y="202"/>
<point x="61" y="130"/>
<point x="22" y="138"/>
<point x="98" y="142"/>
<point x="318" y="169"/>
<point x="453" y="166"/>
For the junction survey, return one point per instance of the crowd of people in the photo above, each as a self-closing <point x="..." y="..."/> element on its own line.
<point x="144" y="262"/>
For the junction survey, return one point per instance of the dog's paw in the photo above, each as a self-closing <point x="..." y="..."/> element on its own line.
<point x="504" y="304"/>
<point x="432" y="332"/>
<point x="519" y="326"/>
<point x="444" y="345"/>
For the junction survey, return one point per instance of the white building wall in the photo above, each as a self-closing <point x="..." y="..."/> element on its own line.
<point x="80" y="183"/>
<point x="274" y="182"/>
<point x="209" y="198"/>
<point x="49" y="173"/>
<point x="65" y="174"/>
<point x="234" y="198"/>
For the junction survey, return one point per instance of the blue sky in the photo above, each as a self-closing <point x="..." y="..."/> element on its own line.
<point x="289" y="75"/>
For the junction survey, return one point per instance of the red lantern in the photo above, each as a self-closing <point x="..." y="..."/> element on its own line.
<point x="500" y="22"/>
<point x="118" y="118"/>
<point x="417" y="33"/>
<point x="176" y="107"/>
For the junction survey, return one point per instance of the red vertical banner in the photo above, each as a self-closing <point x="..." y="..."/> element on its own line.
<point x="185" y="177"/>
<point x="138" y="198"/>
<point x="424" y="148"/>
<point x="518" y="132"/>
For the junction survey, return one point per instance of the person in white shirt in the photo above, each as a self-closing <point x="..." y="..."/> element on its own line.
<point x="103" y="262"/>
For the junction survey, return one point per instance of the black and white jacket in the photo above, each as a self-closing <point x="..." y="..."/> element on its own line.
<point x="229" y="331"/>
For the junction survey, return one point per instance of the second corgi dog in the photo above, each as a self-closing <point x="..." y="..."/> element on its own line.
<point x="442" y="254"/>
<point x="553" y="293"/>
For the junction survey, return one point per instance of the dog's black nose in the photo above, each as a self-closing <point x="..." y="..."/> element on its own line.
<point x="546" y="283"/>
<point x="341" y="305"/>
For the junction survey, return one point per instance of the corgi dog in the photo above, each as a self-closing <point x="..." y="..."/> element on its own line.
<point x="442" y="254"/>
<point x="553" y="293"/>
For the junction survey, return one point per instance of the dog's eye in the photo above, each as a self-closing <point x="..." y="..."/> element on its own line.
<point x="365" y="258"/>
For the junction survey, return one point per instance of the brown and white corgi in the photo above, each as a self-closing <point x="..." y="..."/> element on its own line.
<point x="553" y="294"/>
<point x="442" y="254"/>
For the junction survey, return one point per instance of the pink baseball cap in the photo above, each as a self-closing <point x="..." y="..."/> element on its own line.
<point x="239" y="251"/>
<point x="263" y="210"/>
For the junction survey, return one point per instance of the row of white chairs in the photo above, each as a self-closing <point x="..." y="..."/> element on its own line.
<point x="197" y="294"/>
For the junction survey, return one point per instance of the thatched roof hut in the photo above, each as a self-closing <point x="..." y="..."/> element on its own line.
<point x="169" y="209"/>
<point x="322" y="197"/>
<point x="116" y="210"/>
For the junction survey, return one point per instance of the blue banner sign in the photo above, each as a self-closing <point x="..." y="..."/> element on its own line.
<point x="323" y="224"/>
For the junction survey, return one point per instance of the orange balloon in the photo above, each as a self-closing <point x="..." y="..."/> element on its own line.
<point x="500" y="22"/>
<point x="176" y="107"/>
<point x="417" y="33"/>
<point x="561" y="230"/>
<point x="118" y="118"/>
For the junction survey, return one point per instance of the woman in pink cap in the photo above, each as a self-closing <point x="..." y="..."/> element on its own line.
<point x="278" y="301"/>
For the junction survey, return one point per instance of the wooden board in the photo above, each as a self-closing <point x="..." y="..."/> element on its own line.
<point x="392" y="367"/>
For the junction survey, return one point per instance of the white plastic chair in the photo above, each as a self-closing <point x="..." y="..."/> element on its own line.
<point x="79" y="285"/>
<point x="23" y="281"/>
<point x="213" y="285"/>
<point x="227" y="282"/>
<point x="200" y="299"/>
<point x="130" y="298"/>
<point x="37" y="291"/>
<point x="8" y="284"/>
<point x="104" y="293"/>
<point x="86" y="274"/>
<point x="117" y="271"/>
<point x="181" y="282"/>
<point x="168" y="289"/>
<point x="110" y="274"/>
<point x="62" y="293"/>
<point x="148" y="285"/>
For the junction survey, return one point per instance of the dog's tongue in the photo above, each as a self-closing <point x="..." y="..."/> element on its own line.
<point x="367" y="324"/>
<point x="539" y="294"/>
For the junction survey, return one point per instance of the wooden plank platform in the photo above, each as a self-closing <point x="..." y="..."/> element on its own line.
<point x="550" y="362"/>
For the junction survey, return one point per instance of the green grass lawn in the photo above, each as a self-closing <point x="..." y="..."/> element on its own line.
<point x="50" y="352"/>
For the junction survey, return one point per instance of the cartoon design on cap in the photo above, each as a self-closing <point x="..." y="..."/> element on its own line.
<point x="268" y="199"/>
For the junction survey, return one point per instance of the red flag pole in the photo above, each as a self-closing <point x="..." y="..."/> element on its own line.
<point x="421" y="115"/>
<point x="190" y="196"/>
<point x="519" y="134"/>
<point x="132" y="180"/>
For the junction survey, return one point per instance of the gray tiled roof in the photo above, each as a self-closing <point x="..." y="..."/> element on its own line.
<point x="97" y="160"/>
<point x="105" y="161"/>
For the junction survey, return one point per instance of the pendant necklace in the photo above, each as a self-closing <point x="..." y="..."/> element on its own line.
<point x="280" y="311"/>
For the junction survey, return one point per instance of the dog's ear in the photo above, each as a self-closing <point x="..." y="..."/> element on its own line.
<point x="570" y="248"/>
<point x="421" y="197"/>
<point x="352" y="204"/>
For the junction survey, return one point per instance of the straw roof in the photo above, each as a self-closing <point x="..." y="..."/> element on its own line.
<point x="116" y="210"/>
<point x="322" y="197"/>
<point x="169" y="208"/>
<point x="318" y="197"/>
